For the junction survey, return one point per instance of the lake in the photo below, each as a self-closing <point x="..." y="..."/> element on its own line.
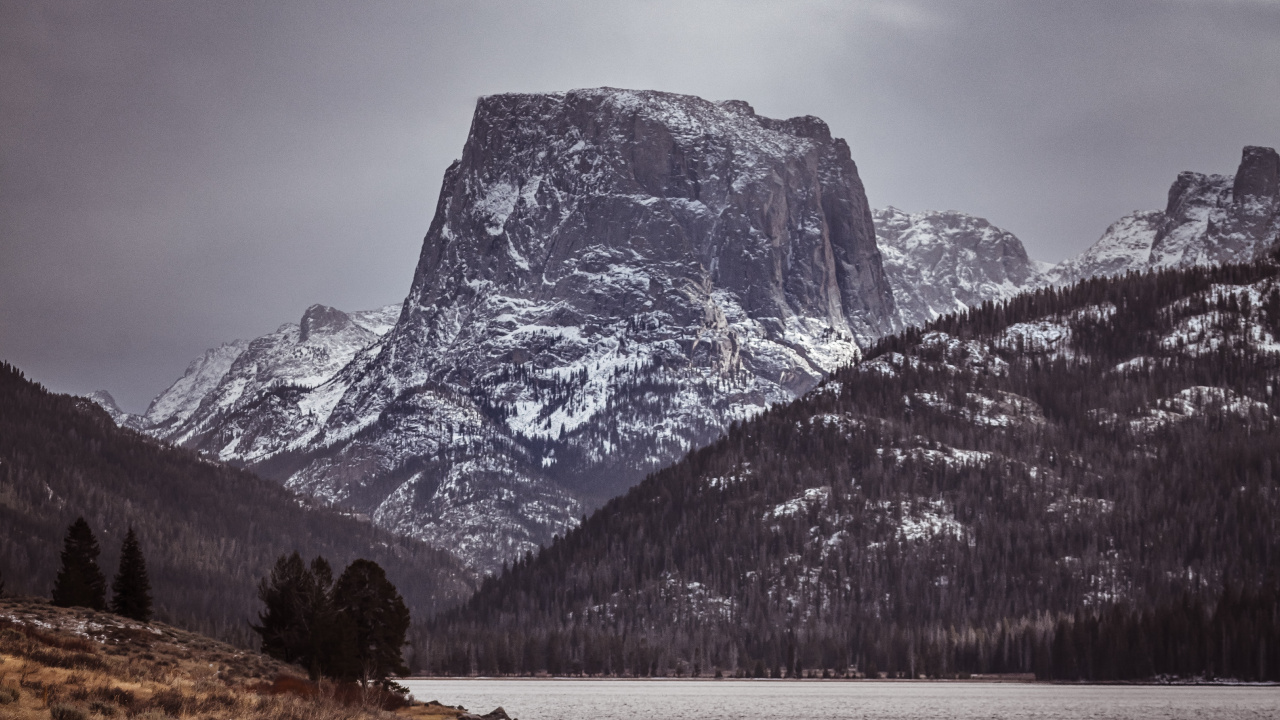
<point x="574" y="699"/>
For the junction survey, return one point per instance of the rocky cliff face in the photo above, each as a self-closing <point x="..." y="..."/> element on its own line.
<point x="944" y="262"/>
<point x="1208" y="219"/>
<point x="610" y="279"/>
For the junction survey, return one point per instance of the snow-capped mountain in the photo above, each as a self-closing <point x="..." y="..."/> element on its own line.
<point x="238" y="377"/>
<point x="611" y="278"/>
<point x="943" y="262"/>
<point x="1208" y="219"/>
<point x="118" y="416"/>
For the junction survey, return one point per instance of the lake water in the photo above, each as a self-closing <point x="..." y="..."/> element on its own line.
<point x="571" y="699"/>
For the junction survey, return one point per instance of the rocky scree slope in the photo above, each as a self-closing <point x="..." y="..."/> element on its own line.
<point x="946" y="503"/>
<point x="611" y="277"/>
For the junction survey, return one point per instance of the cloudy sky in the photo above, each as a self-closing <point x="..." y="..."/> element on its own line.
<point x="176" y="175"/>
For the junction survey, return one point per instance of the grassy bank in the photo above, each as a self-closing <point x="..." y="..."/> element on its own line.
<point x="77" y="664"/>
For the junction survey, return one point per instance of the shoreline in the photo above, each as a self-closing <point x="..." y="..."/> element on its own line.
<point x="986" y="680"/>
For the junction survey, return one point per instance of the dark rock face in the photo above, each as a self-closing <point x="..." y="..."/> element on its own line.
<point x="611" y="277"/>
<point x="324" y="319"/>
<point x="1258" y="176"/>
<point x="1216" y="218"/>
<point x="551" y="185"/>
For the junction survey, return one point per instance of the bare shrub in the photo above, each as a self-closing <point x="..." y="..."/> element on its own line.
<point x="172" y="702"/>
<point x="60" y="711"/>
<point x="115" y="696"/>
<point x="105" y="709"/>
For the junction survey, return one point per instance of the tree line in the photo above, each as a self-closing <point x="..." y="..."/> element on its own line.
<point x="958" y="502"/>
<point x="81" y="583"/>
<point x="210" y="530"/>
<point x="352" y="629"/>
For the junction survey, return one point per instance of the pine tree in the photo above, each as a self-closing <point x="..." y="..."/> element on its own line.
<point x="282" y="624"/>
<point x="300" y="624"/>
<point x="131" y="590"/>
<point x="376" y="619"/>
<point x="79" y="581"/>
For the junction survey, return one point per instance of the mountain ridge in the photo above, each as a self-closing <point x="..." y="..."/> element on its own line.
<point x="536" y="370"/>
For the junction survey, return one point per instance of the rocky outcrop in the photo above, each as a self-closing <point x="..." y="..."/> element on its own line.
<point x="611" y="277"/>
<point x="1208" y="219"/>
<point x="944" y="262"/>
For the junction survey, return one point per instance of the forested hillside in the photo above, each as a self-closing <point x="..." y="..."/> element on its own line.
<point x="1077" y="482"/>
<point x="208" y="531"/>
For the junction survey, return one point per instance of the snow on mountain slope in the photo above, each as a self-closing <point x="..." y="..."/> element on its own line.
<point x="1208" y="219"/>
<point x="105" y="401"/>
<point x="944" y="262"/>
<point x="182" y="399"/>
<point x="611" y="278"/>
<point x="1126" y="245"/>
<point x="301" y="355"/>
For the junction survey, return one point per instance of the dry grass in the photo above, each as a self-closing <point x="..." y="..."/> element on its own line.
<point x="76" y="664"/>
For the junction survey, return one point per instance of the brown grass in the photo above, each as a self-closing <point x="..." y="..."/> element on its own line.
<point x="76" y="664"/>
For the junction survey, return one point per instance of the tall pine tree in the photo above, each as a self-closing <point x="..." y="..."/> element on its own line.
<point x="283" y="624"/>
<point x="79" y="581"/>
<point x="131" y="590"/>
<point x="378" y="621"/>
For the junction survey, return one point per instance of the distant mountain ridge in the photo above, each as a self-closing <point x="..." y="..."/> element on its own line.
<point x="611" y="278"/>
<point x="945" y="262"/>
<point x="1209" y="219"/>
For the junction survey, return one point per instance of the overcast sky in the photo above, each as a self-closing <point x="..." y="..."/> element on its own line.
<point x="176" y="175"/>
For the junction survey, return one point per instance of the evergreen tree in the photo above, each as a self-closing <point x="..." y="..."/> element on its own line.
<point x="283" y="624"/>
<point x="300" y="624"/>
<point x="374" y="620"/>
<point x="324" y="630"/>
<point x="79" y="581"/>
<point x="131" y="590"/>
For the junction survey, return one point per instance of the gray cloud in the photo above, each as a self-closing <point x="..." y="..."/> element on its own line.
<point x="174" y="175"/>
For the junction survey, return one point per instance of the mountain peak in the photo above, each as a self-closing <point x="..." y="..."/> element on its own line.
<point x="1258" y="175"/>
<point x="323" y="319"/>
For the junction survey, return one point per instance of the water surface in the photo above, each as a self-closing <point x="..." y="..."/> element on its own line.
<point x="573" y="699"/>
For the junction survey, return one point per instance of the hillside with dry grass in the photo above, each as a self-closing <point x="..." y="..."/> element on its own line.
<point x="77" y="664"/>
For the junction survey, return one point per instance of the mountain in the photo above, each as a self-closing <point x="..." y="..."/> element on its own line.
<point x="610" y="279"/>
<point x="209" y="532"/>
<point x="1075" y="482"/>
<point x="235" y="376"/>
<point x="943" y="262"/>
<point x="108" y="403"/>
<point x="1208" y="219"/>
